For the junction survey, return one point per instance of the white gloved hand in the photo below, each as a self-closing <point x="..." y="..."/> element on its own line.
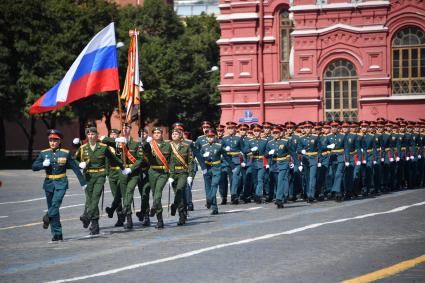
<point x="227" y="148"/>
<point x="319" y="165"/>
<point x="76" y="141"/>
<point x="391" y="159"/>
<point x="204" y="171"/>
<point x="331" y="146"/>
<point x="364" y="161"/>
<point x="419" y="156"/>
<point x="143" y="175"/>
<point x="303" y="151"/>
<point x="291" y="166"/>
<point x="148" y="139"/>
<point x="189" y="180"/>
<point x="300" y="168"/>
<point x="243" y="164"/>
<point x="121" y="139"/>
<point x="412" y="157"/>
<point x="82" y="165"/>
<point x="102" y="138"/>
<point x="347" y="164"/>
<point x="382" y="159"/>
<point x="126" y="171"/>
<point x="397" y="159"/>
<point x="407" y="158"/>
<point x="84" y="187"/>
<point x="267" y="166"/>
<point x="46" y="162"/>
<point x="206" y="154"/>
<point x="374" y="162"/>
<point x="358" y="163"/>
<point x="170" y="181"/>
<point x="255" y="148"/>
<point x="271" y="152"/>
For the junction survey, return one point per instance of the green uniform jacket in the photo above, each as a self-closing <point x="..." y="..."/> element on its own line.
<point x="96" y="159"/>
<point x="134" y="148"/>
<point x="164" y="147"/>
<point x="183" y="149"/>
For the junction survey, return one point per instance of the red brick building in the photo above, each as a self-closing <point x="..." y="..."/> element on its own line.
<point x="322" y="60"/>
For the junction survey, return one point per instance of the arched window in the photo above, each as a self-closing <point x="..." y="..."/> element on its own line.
<point x="286" y="28"/>
<point x="340" y="101"/>
<point x="408" y="62"/>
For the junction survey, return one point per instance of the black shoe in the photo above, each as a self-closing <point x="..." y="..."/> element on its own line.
<point x="109" y="211"/>
<point x="269" y="200"/>
<point x="173" y="209"/>
<point x="86" y="221"/>
<point x="160" y="223"/>
<point x="46" y="221"/>
<point x="57" y="238"/>
<point x="258" y="200"/>
<point x="223" y="201"/>
<point x="279" y="204"/>
<point x="294" y="199"/>
<point x="182" y="219"/>
<point x="209" y="203"/>
<point x="190" y="207"/>
<point x="139" y="215"/>
<point x="214" y="212"/>
<point x="234" y="199"/>
<point x="94" y="228"/>
<point x="152" y="212"/>
<point x="146" y="221"/>
<point x="310" y="200"/>
<point x="129" y="224"/>
<point x="338" y="198"/>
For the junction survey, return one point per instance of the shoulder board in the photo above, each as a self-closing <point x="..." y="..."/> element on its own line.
<point x="205" y="144"/>
<point x="102" y="144"/>
<point x="314" y="135"/>
<point x="185" y="144"/>
<point x="166" y="140"/>
<point x="64" y="150"/>
<point x="188" y="140"/>
<point x="218" y="143"/>
<point x="46" y="150"/>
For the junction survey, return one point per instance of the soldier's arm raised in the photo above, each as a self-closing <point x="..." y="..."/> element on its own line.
<point x="37" y="165"/>
<point x="113" y="157"/>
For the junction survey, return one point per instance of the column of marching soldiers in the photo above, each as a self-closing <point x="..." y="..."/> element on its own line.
<point x="261" y="163"/>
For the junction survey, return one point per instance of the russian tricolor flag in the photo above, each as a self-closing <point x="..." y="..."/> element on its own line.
<point x="95" y="70"/>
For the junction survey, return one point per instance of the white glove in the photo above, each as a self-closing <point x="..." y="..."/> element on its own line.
<point x="300" y="168"/>
<point x="291" y="166"/>
<point x="364" y="161"/>
<point x="243" y="164"/>
<point x="419" y="156"/>
<point x="358" y="163"/>
<point x="206" y="154"/>
<point x="412" y="158"/>
<point x="382" y="159"/>
<point x="126" y="171"/>
<point x="303" y="151"/>
<point x="84" y="187"/>
<point x="189" y="180"/>
<point x="82" y="165"/>
<point x="319" y="165"/>
<point x="143" y="175"/>
<point x="374" y="162"/>
<point x="76" y="141"/>
<point x="102" y="138"/>
<point x="397" y="159"/>
<point x="331" y="146"/>
<point x="148" y="139"/>
<point x="347" y="164"/>
<point x="271" y="152"/>
<point x="407" y="158"/>
<point x="267" y="166"/>
<point x="204" y="171"/>
<point x="46" y="162"/>
<point x="227" y="148"/>
<point x="121" y="139"/>
<point x="170" y="181"/>
<point x="391" y="159"/>
<point x="255" y="148"/>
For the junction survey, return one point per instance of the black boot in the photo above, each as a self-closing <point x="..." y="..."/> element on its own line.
<point x="129" y="224"/>
<point x="139" y="215"/>
<point x="223" y="201"/>
<point x="258" y="200"/>
<point x="234" y="199"/>
<point x="146" y="221"/>
<point x="279" y="204"/>
<point x="121" y="219"/>
<point x="152" y="212"/>
<point x="173" y="209"/>
<point x="57" y="238"/>
<point x="190" y="207"/>
<point x="94" y="228"/>
<point x="109" y="211"/>
<point x="46" y="221"/>
<point x="85" y="219"/>
<point x="182" y="218"/>
<point x="160" y="223"/>
<point x="209" y="203"/>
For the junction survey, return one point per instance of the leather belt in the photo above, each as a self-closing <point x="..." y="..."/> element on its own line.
<point x="233" y="153"/>
<point x="280" y="158"/>
<point x="58" y="176"/>
<point x="213" y="162"/>
<point x="115" y="168"/>
<point x="179" y="167"/>
<point x="257" y="156"/>
<point x="338" y="150"/>
<point x="97" y="170"/>
<point x="157" y="167"/>
<point x="311" y="153"/>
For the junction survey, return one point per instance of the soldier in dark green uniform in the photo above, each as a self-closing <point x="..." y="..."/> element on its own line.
<point x="181" y="172"/>
<point x="144" y="186"/>
<point x="55" y="160"/>
<point x="159" y="159"/>
<point x="92" y="158"/>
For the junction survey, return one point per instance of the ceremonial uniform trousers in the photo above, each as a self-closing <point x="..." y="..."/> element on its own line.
<point x="95" y="173"/>
<point x="248" y="187"/>
<point x="113" y="178"/>
<point x="324" y="178"/>
<point x="368" y="156"/>
<point x="212" y="177"/>
<point x="232" y="162"/>
<point x="144" y="189"/>
<point x="279" y="167"/>
<point x="258" y="169"/>
<point x="188" y="190"/>
<point x="414" y="161"/>
<point x="56" y="182"/>
<point x="351" y="153"/>
<point x="387" y="168"/>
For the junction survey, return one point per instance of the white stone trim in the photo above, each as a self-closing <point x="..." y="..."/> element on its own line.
<point x="237" y="16"/>
<point x="238" y="85"/>
<point x="342" y="26"/>
<point x="395" y="98"/>
<point x="315" y="100"/>
<point x="237" y="4"/>
<point x="238" y="103"/>
<point x="269" y="38"/>
<point x="373" y="79"/>
<point x="244" y="39"/>
<point x="339" y="5"/>
<point x="278" y="83"/>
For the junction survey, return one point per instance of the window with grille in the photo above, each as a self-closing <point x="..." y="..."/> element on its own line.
<point x="408" y="62"/>
<point x="286" y="28"/>
<point x="340" y="91"/>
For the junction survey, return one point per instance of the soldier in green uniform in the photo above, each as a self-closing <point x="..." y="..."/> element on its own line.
<point x="181" y="172"/>
<point x="55" y="160"/>
<point x="92" y="158"/>
<point x="113" y="174"/>
<point x="159" y="159"/>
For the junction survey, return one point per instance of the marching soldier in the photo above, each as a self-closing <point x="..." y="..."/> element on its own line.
<point x="294" y="174"/>
<point x="351" y="152"/>
<point x="223" y="185"/>
<point x="244" y="184"/>
<point x="336" y="143"/>
<point x="55" y="160"/>
<point x="92" y="158"/>
<point x="368" y="148"/>
<point x="324" y="180"/>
